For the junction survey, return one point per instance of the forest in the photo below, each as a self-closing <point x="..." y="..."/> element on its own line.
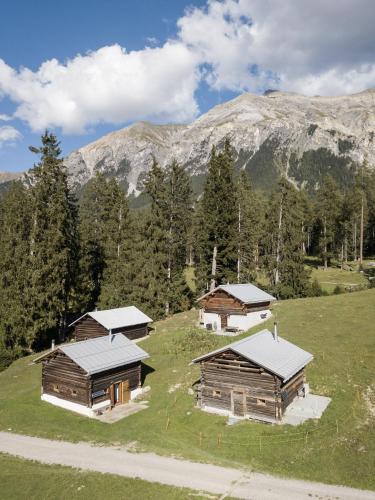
<point x="61" y="256"/>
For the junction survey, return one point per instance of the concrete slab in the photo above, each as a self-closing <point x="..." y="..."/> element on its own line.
<point x="119" y="412"/>
<point x="302" y="409"/>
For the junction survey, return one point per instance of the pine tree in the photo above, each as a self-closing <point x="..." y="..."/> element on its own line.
<point x="53" y="242"/>
<point x="284" y="258"/>
<point x="166" y="230"/>
<point x="328" y="203"/>
<point x="218" y="215"/>
<point x="250" y="222"/>
<point x="15" y="270"/>
<point x="116" y="285"/>
<point x="95" y="211"/>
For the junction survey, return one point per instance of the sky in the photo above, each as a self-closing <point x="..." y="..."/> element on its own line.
<point x="85" y="68"/>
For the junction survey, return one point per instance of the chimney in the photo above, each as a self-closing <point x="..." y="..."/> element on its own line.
<point x="110" y="336"/>
<point x="275" y="334"/>
<point x="52" y="344"/>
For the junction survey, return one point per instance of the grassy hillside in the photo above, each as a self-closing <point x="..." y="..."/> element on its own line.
<point x="340" y="448"/>
<point x="27" y="479"/>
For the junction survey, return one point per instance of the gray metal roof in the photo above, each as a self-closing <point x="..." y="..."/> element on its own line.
<point x="278" y="356"/>
<point x="245" y="292"/>
<point x="97" y="355"/>
<point x="118" y="318"/>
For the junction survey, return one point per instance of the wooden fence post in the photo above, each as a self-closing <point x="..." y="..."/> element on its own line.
<point x="200" y="439"/>
<point x="337" y="427"/>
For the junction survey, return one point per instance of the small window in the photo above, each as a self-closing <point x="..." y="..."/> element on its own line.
<point x="74" y="393"/>
<point x="56" y="388"/>
<point x="217" y="394"/>
<point x="261" y="402"/>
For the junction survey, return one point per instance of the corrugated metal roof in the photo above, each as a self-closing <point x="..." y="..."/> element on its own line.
<point x="278" y="356"/>
<point x="118" y="318"/>
<point x="97" y="355"/>
<point x="245" y="292"/>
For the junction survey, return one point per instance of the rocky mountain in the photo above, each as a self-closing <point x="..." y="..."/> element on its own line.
<point x="302" y="137"/>
<point x="9" y="176"/>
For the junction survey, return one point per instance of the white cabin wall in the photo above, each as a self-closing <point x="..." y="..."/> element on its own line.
<point x="211" y="318"/>
<point x="244" y="322"/>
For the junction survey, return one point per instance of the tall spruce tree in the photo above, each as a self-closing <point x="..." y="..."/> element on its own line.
<point x="284" y="258"/>
<point x="95" y="212"/>
<point x="53" y="241"/>
<point x="166" y="230"/>
<point x="15" y="325"/>
<point x="328" y="204"/>
<point x="116" y="285"/>
<point x="250" y="223"/>
<point x="217" y="212"/>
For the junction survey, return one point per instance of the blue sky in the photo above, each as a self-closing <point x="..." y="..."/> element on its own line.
<point x="86" y="68"/>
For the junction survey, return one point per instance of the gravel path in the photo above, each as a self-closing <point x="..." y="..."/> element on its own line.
<point x="171" y="471"/>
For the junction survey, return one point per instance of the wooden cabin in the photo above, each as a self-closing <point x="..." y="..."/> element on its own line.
<point x="130" y="321"/>
<point x="94" y="375"/>
<point x="234" y="307"/>
<point x="257" y="377"/>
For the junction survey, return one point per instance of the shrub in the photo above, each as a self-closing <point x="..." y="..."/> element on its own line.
<point x="316" y="290"/>
<point x="6" y="358"/>
<point x="338" y="289"/>
<point x="194" y="342"/>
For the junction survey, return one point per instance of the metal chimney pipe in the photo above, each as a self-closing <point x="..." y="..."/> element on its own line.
<point x="110" y="336"/>
<point x="52" y="344"/>
<point x="275" y="334"/>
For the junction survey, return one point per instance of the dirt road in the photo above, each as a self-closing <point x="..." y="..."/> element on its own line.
<point x="171" y="471"/>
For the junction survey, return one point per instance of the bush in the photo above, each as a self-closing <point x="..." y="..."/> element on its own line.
<point x="194" y="342"/>
<point x="338" y="289"/>
<point x="6" y="358"/>
<point x="316" y="290"/>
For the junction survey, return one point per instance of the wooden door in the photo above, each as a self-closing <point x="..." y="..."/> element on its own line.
<point x="238" y="403"/>
<point x="125" y="392"/>
<point x="223" y="321"/>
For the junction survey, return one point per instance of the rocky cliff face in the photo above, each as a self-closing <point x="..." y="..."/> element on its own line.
<point x="302" y="137"/>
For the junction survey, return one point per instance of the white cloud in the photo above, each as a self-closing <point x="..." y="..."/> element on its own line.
<point x="312" y="47"/>
<point x="9" y="134"/>
<point x="5" y="118"/>
<point x="305" y="46"/>
<point x="108" y="85"/>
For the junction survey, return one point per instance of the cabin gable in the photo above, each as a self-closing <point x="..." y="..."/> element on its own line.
<point x="237" y="385"/>
<point x="88" y="328"/>
<point x="63" y="378"/>
<point x="222" y="302"/>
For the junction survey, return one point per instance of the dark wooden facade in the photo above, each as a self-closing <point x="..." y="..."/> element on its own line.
<point x="232" y="383"/>
<point x="88" y="328"/>
<point x="221" y="302"/>
<point x="63" y="378"/>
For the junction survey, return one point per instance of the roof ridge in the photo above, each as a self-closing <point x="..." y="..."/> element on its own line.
<point x="71" y="344"/>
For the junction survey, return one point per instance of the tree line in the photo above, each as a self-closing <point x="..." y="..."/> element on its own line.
<point x="60" y="257"/>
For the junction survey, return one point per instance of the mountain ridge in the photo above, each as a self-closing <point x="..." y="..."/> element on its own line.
<point x="277" y="133"/>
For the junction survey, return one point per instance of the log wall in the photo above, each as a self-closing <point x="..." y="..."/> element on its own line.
<point x="103" y="380"/>
<point x="222" y="302"/>
<point x="62" y="378"/>
<point x="89" y="328"/>
<point x="231" y="382"/>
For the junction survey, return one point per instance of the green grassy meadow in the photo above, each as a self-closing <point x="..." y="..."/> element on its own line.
<point x="340" y="448"/>
<point x="28" y="479"/>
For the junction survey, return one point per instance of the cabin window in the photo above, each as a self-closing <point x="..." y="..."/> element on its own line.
<point x="74" y="393"/>
<point x="217" y="394"/>
<point x="261" y="402"/>
<point x="56" y="388"/>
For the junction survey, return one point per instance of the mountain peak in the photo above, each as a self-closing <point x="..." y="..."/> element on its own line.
<point x="280" y="132"/>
